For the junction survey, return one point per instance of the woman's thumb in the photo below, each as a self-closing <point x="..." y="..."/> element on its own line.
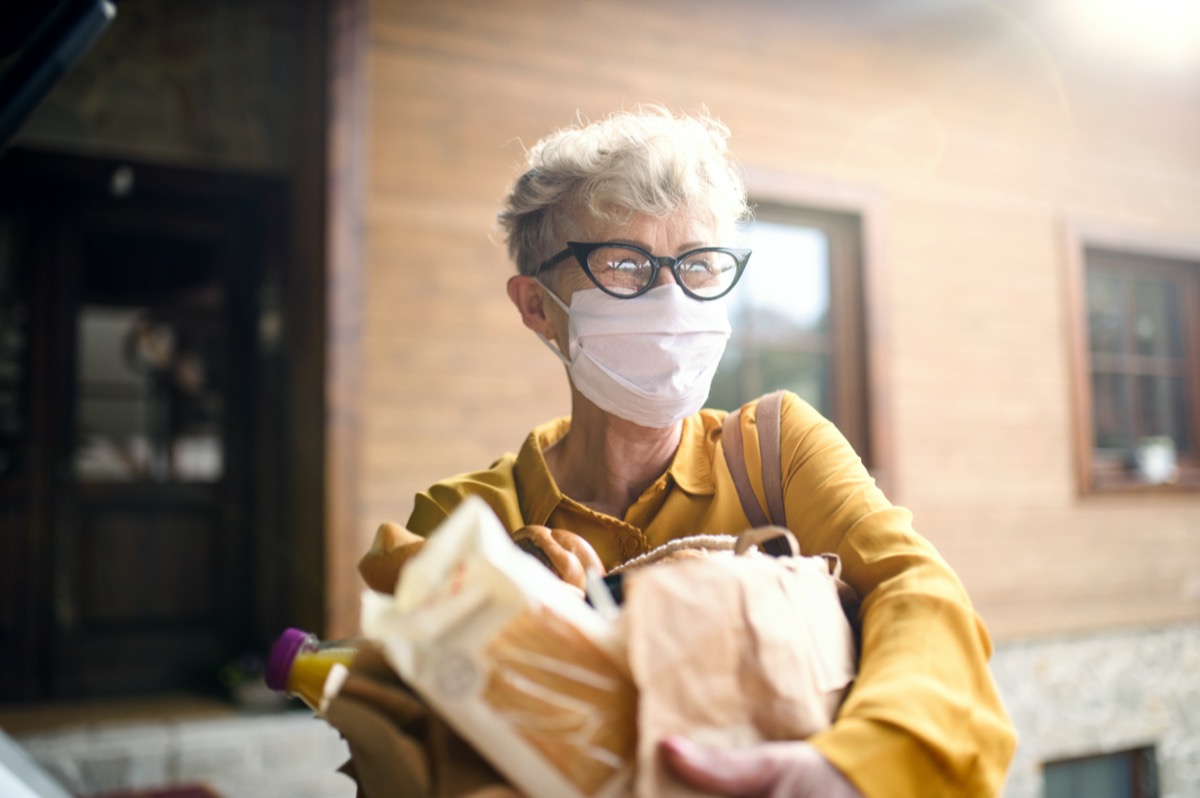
<point x="721" y="770"/>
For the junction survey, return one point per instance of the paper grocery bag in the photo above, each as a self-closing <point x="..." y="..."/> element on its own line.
<point x="733" y="651"/>
<point x="512" y="659"/>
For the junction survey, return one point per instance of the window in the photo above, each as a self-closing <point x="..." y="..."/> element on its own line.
<point x="1138" y="371"/>
<point x="1127" y="774"/>
<point x="798" y="318"/>
<point x="151" y="362"/>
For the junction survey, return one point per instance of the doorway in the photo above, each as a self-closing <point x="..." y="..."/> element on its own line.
<point x="140" y="429"/>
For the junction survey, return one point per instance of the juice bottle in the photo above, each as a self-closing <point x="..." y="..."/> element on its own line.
<point x="300" y="663"/>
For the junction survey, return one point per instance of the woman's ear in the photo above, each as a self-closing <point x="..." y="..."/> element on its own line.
<point x="526" y="293"/>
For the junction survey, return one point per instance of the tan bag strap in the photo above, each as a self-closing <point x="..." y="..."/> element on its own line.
<point x="735" y="458"/>
<point x="835" y="564"/>
<point x="770" y="539"/>
<point x="768" y="419"/>
<point x="770" y="411"/>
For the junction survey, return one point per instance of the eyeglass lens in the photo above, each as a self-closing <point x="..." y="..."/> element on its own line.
<point x="627" y="271"/>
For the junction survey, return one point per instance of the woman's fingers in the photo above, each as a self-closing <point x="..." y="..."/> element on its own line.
<point x="583" y="550"/>
<point x="722" y="771"/>
<point x="770" y="770"/>
<point x="564" y="563"/>
<point x="566" y="553"/>
<point x="391" y="536"/>
<point x="524" y="538"/>
<point x="392" y="548"/>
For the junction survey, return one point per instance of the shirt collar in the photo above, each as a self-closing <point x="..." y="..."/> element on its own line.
<point x="691" y="468"/>
<point x="537" y="491"/>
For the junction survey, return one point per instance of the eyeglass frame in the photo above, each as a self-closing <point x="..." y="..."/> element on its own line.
<point x="581" y="250"/>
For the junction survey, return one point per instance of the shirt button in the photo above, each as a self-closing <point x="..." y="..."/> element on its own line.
<point x="630" y="547"/>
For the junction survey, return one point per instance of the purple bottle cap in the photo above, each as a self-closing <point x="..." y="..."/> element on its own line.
<point x="279" y="664"/>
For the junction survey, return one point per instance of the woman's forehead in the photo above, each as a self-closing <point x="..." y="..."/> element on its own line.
<point x="653" y="231"/>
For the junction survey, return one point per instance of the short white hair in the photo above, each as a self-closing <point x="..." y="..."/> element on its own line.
<point x="646" y="161"/>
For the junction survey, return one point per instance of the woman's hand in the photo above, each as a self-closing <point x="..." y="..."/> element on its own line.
<point x="563" y="552"/>
<point x="391" y="550"/>
<point x="769" y="770"/>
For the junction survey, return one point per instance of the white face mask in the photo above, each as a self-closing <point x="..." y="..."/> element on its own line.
<point x="649" y="360"/>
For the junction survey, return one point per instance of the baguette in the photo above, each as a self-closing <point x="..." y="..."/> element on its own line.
<point x="563" y="695"/>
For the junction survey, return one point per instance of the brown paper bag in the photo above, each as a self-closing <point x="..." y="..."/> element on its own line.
<point x="732" y="651"/>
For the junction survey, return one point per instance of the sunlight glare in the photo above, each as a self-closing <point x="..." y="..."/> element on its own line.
<point x="1163" y="32"/>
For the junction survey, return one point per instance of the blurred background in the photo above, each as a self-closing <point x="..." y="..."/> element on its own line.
<point x="252" y="300"/>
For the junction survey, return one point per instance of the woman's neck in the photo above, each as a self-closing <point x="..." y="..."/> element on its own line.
<point x="605" y="462"/>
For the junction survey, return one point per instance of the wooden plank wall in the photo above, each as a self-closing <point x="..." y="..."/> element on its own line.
<point x="971" y="134"/>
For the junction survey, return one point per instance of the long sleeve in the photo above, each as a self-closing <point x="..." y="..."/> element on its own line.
<point x="924" y="717"/>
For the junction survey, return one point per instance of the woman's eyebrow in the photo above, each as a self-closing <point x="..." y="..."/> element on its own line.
<point x="688" y="247"/>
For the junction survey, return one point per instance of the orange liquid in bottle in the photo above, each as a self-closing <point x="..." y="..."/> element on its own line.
<point x="299" y="664"/>
<point x="310" y="669"/>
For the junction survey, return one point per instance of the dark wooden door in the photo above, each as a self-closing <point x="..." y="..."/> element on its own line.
<point x="132" y="447"/>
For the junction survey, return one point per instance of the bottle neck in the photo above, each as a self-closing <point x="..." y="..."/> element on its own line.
<point x="310" y="670"/>
<point x="279" y="665"/>
<point x="299" y="664"/>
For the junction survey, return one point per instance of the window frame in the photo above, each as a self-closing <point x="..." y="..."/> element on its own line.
<point x="851" y="217"/>
<point x="1143" y="768"/>
<point x="1100" y="475"/>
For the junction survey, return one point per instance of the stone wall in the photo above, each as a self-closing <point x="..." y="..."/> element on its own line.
<point x="289" y="755"/>
<point x="1104" y="693"/>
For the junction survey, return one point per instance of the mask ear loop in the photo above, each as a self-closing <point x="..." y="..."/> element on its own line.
<point x="553" y="347"/>
<point x="557" y="352"/>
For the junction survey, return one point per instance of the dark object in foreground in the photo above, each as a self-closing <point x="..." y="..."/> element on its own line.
<point x="55" y="48"/>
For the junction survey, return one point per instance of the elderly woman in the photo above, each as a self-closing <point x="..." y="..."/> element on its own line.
<point x="619" y="231"/>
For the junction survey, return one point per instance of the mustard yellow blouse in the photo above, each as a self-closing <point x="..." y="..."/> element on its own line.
<point x="924" y="717"/>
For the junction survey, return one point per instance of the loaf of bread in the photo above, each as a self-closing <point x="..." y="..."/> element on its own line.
<point x="565" y="696"/>
<point x="510" y="656"/>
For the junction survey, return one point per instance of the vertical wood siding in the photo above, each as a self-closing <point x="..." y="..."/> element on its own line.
<point x="979" y="133"/>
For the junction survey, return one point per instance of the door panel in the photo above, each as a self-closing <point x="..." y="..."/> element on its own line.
<point x="140" y="567"/>
<point x="145" y="584"/>
<point x="149" y="530"/>
<point x="138" y="484"/>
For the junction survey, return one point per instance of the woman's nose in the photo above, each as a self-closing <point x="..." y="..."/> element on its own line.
<point x="665" y="276"/>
